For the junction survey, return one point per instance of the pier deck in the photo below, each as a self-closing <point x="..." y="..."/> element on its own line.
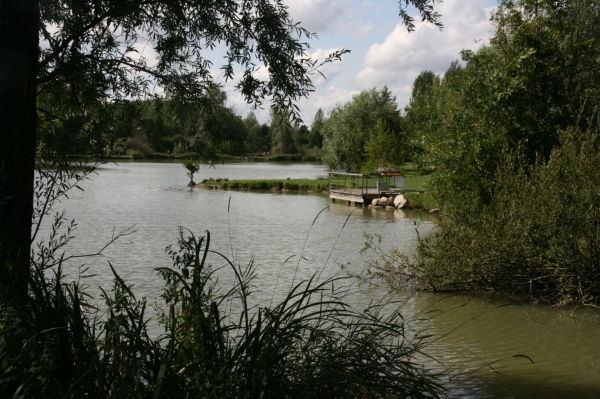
<point x="357" y="195"/>
<point x="358" y="188"/>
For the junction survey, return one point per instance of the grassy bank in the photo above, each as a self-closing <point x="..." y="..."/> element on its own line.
<point x="418" y="198"/>
<point x="305" y="185"/>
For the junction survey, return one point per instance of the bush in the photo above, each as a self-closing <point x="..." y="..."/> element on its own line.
<point x="192" y="167"/>
<point x="539" y="236"/>
<point x="135" y="154"/>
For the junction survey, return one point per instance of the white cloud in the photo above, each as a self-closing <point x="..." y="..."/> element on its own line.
<point x="330" y="70"/>
<point x="317" y="15"/>
<point x="326" y="99"/>
<point x="363" y="31"/>
<point x="402" y="56"/>
<point x="144" y="49"/>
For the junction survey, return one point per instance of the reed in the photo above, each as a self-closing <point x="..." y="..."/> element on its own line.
<point x="58" y="342"/>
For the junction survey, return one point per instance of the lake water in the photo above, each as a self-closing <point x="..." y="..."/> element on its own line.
<point x="477" y="341"/>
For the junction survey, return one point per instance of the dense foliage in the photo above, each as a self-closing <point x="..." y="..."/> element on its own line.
<point x="510" y="142"/>
<point x="351" y="127"/>
<point x="538" y="75"/>
<point x="538" y="236"/>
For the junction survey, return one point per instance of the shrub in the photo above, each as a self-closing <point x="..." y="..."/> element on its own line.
<point x="135" y="154"/>
<point x="538" y="237"/>
<point x="139" y="144"/>
<point x="192" y="168"/>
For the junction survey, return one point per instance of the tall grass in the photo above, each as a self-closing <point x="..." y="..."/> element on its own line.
<point x="56" y="343"/>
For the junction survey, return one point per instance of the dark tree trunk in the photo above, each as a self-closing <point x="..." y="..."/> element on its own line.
<point x="19" y="24"/>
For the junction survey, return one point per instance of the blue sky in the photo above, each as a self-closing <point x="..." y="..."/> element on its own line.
<point x="382" y="52"/>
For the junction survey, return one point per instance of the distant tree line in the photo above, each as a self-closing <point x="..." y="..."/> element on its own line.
<point x="170" y="126"/>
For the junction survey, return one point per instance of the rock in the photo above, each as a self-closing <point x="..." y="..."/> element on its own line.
<point x="400" y="201"/>
<point x="383" y="201"/>
<point x="375" y="202"/>
<point x="390" y="207"/>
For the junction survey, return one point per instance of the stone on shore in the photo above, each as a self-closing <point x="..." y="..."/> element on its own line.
<point x="400" y="201"/>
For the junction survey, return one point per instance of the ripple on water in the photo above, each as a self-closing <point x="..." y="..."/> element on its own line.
<point x="271" y="227"/>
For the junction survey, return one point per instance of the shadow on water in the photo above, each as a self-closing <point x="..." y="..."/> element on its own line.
<point x="518" y="387"/>
<point x="503" y="349"/>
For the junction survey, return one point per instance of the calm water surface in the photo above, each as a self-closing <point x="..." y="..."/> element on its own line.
<point x="472" y="339"/>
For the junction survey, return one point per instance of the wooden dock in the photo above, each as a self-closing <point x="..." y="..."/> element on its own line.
<point x="359" y="188"/>
<point x="355" y="195"/>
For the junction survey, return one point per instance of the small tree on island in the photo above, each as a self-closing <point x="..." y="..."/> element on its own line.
<point x="192" y="168"/>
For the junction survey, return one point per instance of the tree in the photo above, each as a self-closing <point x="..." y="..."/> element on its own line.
<point x="315" y="136"/>
<point x="384" y="149"/>
<point x="158" y="128"/>
<point x="300" y="137"/>
<point x="18" y="67"/>
<point x="533" y="80"/>
<point x="192" y="168"/>
<point x="89" y="60"/>
<point x="423" y="83"/>
<point x="282" y="141"/>
<point x="348" y="129"/>
<point x="258" y="138"/>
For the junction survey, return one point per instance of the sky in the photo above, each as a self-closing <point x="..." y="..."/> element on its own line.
<point x="383" y="53"/>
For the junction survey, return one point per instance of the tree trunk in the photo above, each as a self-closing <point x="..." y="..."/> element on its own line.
<point x="19" y="25"/>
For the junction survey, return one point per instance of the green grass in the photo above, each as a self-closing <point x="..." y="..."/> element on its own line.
<point x="423" y="201"/>
<point x="412" y="181"/>
<point x="305" y="185"/>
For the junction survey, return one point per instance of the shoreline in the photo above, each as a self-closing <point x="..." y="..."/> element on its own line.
<point x="415" y="200"/>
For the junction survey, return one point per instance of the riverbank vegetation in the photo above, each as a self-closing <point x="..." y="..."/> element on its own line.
<point x="510" y="143"/>
<point x="203" y="338"/>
